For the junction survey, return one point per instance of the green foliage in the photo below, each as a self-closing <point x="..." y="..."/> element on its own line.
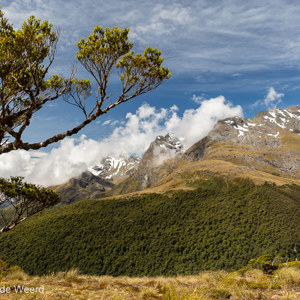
<point x="140" y="71"/>
<point x="222" y="225"/>
<point x="109" y="48"/>
<point x="263" y="285"/>
<point x="290" y="264"/>
<point x="5" y="269"/>
<point x="219" y="293"/>
<point x="22" y="69"/>
<point x="24" y="199"/>
<point x="103" y="48"/>
<point x="26" y="54"/>
<point x="268" y="263"/>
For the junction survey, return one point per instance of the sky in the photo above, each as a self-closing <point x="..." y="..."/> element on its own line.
<point x="227" y="58"/>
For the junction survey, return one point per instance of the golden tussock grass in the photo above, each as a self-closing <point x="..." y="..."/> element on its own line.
<point x="284" y="284"/>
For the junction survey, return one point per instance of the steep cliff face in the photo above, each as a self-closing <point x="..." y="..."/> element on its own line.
<point x="161" y="150"/>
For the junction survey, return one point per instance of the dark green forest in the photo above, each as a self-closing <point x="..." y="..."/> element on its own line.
<point x="221" y="225"/>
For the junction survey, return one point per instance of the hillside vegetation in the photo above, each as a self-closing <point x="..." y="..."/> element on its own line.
<point x="253" y="284"/>
<point x="220" y="225"/>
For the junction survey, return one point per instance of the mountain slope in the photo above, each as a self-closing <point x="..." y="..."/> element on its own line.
<point x="85" y="186"/>
<point x="99" y="179"/>
<point x="263" y="148"/>
<point x="270" y="141"/>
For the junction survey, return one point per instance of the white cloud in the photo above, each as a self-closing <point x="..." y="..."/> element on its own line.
<point x="271" y="100"/>
<point x="15" y="163"/>
<point x="198" y="99"/>
<point x="74" y="156"/>
<point x="196" y="123"/>
<point x="115" y="122"/>
<point x="145" y="111"/>
<point x="107" y="122"/>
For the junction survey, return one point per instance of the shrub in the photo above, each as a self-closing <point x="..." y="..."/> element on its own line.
<point x="20" y="200"/>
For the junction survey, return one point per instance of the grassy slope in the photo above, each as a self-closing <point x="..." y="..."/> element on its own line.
<point x="221" y="225"/>
<point x="284" y="284"/>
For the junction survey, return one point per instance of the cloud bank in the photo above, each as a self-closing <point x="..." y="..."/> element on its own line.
<point x="73" y="156"/>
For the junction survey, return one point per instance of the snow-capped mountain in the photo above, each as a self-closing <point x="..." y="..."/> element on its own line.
<point x="272" y="123"/>
<point x="170" y="143"/>
<point x="288" y="118"/>
<point x="154" y="163"/>
<point x="266" y="128"/>
<point x="270" y="141"/>
<point x="116" y="168"/>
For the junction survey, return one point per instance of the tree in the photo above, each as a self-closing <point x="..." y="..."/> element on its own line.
<point x="20" y="200"/>
<point x="27" y="54"/>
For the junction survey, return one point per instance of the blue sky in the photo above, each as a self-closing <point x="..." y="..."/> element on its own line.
<point x="246" y="51"/>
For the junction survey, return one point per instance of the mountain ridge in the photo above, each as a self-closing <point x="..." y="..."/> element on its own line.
<point x="259" y="148"/>
<point x="265" y="147"/>
<point x="264" y="141"/>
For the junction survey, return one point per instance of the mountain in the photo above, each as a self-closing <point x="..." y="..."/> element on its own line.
<point x="158" y="161"/>
<point x="268" y="142"/>
<point x="85" y="186"/>
<point x="263" y="148"/>
<point x="232" y="196"/>
<point x="116" y="168"/>
<point x="99" y="179"/>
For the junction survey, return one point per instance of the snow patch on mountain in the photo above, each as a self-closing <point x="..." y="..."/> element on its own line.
<point x="166" y="147"/>
<point x="118" y="166"/>
<point x="272" y="123"/>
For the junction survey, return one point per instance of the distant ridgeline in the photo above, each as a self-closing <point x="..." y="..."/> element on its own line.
<point x="220" y="225"/>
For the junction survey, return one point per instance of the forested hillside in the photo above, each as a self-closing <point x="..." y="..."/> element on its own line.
<point x="220" y="225"/>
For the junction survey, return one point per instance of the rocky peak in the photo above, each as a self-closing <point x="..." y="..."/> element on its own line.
<point x="168" y="142"/>
<point x="152" y="166"/>
<point x="99" y="179"/>
<point x="264" y="130"/>
<point x="162" y="149"/>
<point x="117" y="167"/>
<point x="281" y="119"/>
<point x="87" y="178"/>
<point x="85" y="186"/>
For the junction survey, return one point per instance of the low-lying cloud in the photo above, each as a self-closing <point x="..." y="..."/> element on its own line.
<point x="73" y="156"/>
